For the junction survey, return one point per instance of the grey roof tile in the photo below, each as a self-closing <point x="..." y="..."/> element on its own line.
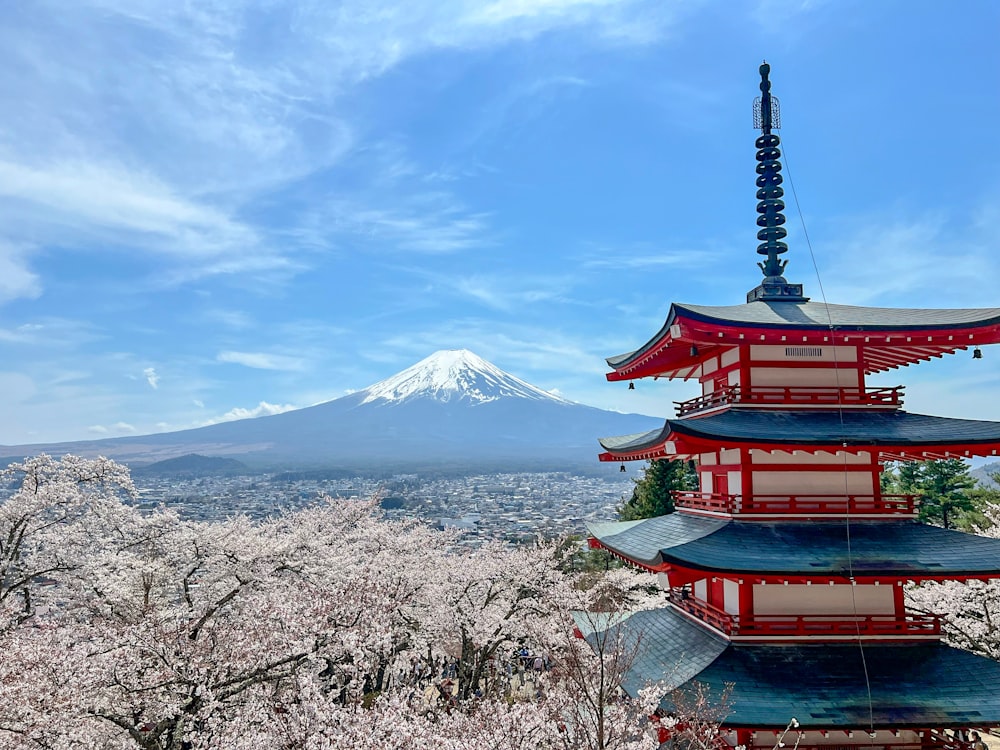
<point x="822" y="685"/>
<point x="876" y="548"/>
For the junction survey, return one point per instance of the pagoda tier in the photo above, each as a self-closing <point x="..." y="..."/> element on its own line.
<point x="883" y="338"/>
<point x="690" y="547"/>
<point x="893" y="435"/>
<point x="824" y="685"/>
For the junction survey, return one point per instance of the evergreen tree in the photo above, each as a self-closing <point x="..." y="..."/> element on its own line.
<point x="652" y="494"/>
<point x="945" y="487"/>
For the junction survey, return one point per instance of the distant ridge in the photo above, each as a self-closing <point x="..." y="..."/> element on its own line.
<point x="451" y="411"/>
<point x="193" y="464"/>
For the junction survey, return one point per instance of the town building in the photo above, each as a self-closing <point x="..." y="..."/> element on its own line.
<point x="786" y="569"/>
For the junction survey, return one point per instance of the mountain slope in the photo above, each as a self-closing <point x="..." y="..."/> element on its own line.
<point x="451" y="408"/>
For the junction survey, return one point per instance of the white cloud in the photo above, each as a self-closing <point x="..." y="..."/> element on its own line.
<point x="263" y="409"/>
<point x="151" y="377"/>
<point x="262" y="360"/>
<point x="118" y="428"/>
<point x="17" y="280"/>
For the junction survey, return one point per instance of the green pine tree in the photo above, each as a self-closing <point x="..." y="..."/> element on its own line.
<point x="651" y="495"/>
<point x="946" y="490"/>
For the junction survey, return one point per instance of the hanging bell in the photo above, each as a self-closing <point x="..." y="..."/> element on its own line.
<point x="631" y="385"/>
<point x="977" y="353"/>
<point x="622" y="468"/>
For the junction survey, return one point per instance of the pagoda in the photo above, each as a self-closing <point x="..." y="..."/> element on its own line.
<point x="786" y="569"/>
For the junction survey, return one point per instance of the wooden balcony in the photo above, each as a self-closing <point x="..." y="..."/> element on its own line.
<point x="792" y="397"/>
<point x="780" y="627"/>
<point x="905" y="505"/>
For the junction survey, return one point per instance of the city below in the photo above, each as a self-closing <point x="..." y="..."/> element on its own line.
<point x="515" y="507"/>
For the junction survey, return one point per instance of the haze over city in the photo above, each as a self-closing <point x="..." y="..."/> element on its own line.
<point x="217" y="212"/>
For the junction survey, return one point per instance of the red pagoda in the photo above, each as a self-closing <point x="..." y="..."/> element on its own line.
<point x="786" y="568"/>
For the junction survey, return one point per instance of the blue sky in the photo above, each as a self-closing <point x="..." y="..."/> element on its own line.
<point x="215" y="209"/>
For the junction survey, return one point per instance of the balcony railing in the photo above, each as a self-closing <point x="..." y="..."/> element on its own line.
<point x="792" y="396"/>
<point x="797" y="504"/>
<point x="704" y="611"/>
<point x="781" y="625"/>
<point x="799" y="626"/>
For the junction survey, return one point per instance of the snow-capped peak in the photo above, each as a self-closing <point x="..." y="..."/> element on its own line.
<point x="454" y="374"/>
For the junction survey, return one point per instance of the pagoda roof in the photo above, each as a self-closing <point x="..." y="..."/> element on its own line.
<point x="876" y="549"/>
<point x="890" y="336"/>
<point x="823" y="686"/>
<point x="784" y="314"/>
<point x="897" y="434"/>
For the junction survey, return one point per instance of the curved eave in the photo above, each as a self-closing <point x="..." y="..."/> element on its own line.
<point x="694" y="546"/>
<point x="896" y="435"/>
<point x="888" y="337"/>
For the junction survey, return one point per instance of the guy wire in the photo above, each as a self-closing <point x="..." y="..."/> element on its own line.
<point x="840" y="412"/>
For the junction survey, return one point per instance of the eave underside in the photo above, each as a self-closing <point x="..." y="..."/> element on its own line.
<point x="903" y="550"/>
<point x="823" y="686"/>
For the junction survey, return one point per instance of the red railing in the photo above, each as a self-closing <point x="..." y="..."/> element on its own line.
<point x="796" y="504"/>
<point x="792" y="396"/>
<point x="781" y="625"/>
<point x="704" y="611"/>
<point x="796" y="626"/>
<point x="712" y="501"/>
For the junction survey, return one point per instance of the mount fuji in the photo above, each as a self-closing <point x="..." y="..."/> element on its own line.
<point x="450" y="410"/>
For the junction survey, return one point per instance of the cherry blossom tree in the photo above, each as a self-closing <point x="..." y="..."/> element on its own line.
<point x="48" y="522"/>
<point x="132" y="630"/>
<point x="971" y="610"/>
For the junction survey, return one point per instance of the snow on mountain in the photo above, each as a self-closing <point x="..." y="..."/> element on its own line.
<point x="454" y="374"/>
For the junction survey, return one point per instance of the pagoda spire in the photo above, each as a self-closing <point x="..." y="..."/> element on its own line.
<point x="770" y="219"/>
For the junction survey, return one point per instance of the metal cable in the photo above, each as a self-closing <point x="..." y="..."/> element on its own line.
<point x="840" y="412"/>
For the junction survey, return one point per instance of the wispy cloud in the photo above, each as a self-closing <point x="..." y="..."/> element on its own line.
<point x="421" y="221"/>
<point x="888" y="257"/>
<point x="51" y="333"/>
<point x="262" y="360"/>
<point x="79" y="202"/>
<point x="211" y="107"/>
<point x="644" y="258"/>
<point x="151" y="377"/>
